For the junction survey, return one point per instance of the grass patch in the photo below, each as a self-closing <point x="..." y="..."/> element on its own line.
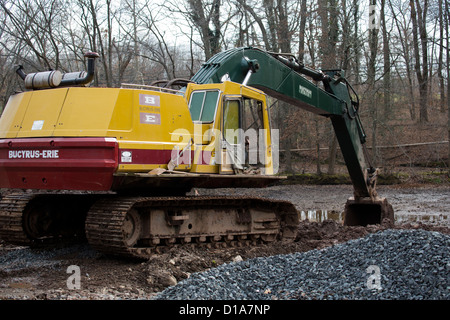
<point x="335" y="179"/>
<point x="434" y="177"/>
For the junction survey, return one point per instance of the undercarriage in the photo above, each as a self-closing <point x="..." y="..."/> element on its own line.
<point x="139" y="226"/>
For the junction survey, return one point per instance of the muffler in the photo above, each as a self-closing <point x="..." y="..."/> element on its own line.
<point x="54" y="78"/>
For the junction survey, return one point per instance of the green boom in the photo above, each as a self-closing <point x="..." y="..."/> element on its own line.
<point x="281" y="76"/>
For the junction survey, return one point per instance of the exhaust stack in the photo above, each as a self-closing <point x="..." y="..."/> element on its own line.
<point x="53" y="79"/>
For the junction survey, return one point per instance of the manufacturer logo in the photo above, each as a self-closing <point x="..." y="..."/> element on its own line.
<point x="150" y="118"/>
<point x="305" y="91"/>
<point x="149" y="100"/>
<point x="126" y="156"/>
<point x="33" y="154"/>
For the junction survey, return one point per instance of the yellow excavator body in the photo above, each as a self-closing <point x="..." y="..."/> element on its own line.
<point x="141" y="129"/>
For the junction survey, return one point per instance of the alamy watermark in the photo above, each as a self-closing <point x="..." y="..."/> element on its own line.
<point x="374" y="17"/>
<point x="374" y="280"/>
<point x="74" y="281"/>
<point x="243" y="147"/>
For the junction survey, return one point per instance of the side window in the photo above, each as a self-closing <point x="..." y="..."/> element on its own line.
<point x="196" y="104"/>
<point x="231" y="123"/>
<point x="209" y="106"/>
<point x="203" y="105"/>
<point x="253" y="115"/>
<point x="253" y="122"/>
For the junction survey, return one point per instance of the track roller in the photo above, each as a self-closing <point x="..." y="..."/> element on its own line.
<point x="135" y="226"/>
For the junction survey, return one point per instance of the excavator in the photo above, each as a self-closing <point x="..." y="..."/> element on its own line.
<point x="114" y="165"/>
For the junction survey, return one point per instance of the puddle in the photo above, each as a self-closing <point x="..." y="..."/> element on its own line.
<point x="321" y="215"/>
<point x="438" y="218"/>
<point x="401" y="217"/>
<point x="20" y="285"/>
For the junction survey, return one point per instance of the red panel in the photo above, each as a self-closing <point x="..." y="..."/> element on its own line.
<point x="146" y="156"/>
<point x="58" y="163"/>
<point x="154" y="156"/>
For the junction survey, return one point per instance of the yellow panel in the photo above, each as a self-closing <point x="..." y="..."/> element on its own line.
<point x="13" y="113"/>
<point x="202" y="168"/>
<point x="150" y="145"/>
<point x="138" y="167"/>
<point x="152" y="117"/>
<point x="87" y="112"/>
<point x="122" y="118"/>
<point x="42" y="113"/>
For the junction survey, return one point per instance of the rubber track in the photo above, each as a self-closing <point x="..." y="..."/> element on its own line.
<point x="105" y="218"/>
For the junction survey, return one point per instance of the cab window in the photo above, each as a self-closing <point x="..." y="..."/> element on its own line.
<point x="203" y="104"/>
<point x="231" y="120"/>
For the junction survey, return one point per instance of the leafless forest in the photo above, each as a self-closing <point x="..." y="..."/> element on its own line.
<point x="394" y="52"/>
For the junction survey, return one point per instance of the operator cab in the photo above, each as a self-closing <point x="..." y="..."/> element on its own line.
<point x="231" y="121"/>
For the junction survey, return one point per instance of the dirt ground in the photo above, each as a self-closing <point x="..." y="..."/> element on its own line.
<point x="45" y="274"/>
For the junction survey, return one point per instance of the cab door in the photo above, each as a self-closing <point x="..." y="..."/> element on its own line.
<point x="246" y="143"/>
<point x="232" y="149"/>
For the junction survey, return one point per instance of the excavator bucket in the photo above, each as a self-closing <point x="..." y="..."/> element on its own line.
<point x="365" y="211"/>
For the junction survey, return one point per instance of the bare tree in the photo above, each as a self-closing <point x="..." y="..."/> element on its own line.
<point x="272" y="24"/>
<point x="447" y="34"/>
<point x="33" y="24"/>
<point x="386" y="61"/>
<point x="404" y="35"/>
<point x="330" y="29"/>
<point x="441" y="56"/>
<point x="205" y="16"/>
<point x="302" y="30"/>
<point x="153" y="43"/>
<point x="418" y="18"/>
<point x="258" y="19"/>
<point x="92" y="24"/>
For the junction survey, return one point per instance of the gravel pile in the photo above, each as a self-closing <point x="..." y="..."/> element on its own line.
<point x="392" y="264"/>
<point x="26" y="259"/>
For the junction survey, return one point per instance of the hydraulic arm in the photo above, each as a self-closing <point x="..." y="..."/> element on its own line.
<point x="281" y="76"/>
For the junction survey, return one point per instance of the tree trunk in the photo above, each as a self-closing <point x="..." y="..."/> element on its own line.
<point x="301" y="40"/>
<point x="329" y="28"/>
<point x="403" y="35"/>
<point x="270" y="14"/>
<point x="418" y="22"/>
<point x="332" y="155"/>
<point x="318" y="170"/>
<point x="441" y="57"/>
<point x="258" y="20"/>
<point x="447" y="22"/>
<point x="284" y="38"/>
<point x="210" y="38"/>
<point x="386" y="64"/>
<point x="325" y="48"/>
<point x="356" y="42"/>
<point x="373" y="49"/>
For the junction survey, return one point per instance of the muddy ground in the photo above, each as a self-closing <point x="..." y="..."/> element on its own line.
<point x="43" y="274"/>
